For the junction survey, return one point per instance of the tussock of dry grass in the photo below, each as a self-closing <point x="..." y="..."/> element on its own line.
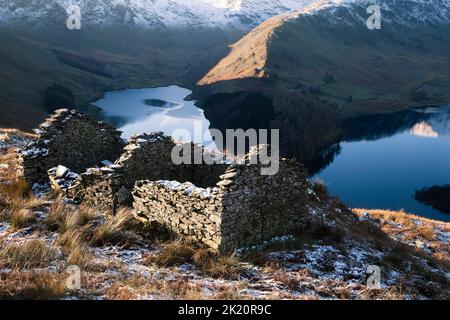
<point x="16" y="198"/>
<point x="63" y="218"/>
<point x="113" y="228"/>
<point x="9" y="173"/>
<point x="20" y="212"/>
<point x="32" y="286"/>
<point x="30" y="254"/>
<point x="15" y="190"/>
<point x="209" y="262"/>
<point x="290" y="282"/>
<point x="426" y="232"/>
<point x="60" y="218"/>
<point x="76" y="249"/>
<point x="87" y="214"/>
<point x="216" y="266"/>
<point x="22" y="218"/>
<point x="174" y="253"/>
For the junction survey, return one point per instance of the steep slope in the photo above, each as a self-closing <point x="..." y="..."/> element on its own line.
<point x="248" y="56"/>
<point x="89" y="63"/>
<point x="122" y="43"/>
<point x="328" y="258"/>
<point x="326" y="51"/>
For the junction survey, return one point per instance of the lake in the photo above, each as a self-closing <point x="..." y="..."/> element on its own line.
<point x="384" y="160"/>
<point x="164" y="109"/>
<point x="380" y="162"/>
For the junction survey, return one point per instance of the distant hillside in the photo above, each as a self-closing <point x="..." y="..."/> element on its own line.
<point x="326" y="51"/>
<point x="121" y="44"/>
<point x="86" y="64"/>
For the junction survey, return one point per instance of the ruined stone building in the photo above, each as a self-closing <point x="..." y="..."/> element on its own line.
<point x="225" y="206"/>
<point x="70" y="139"/>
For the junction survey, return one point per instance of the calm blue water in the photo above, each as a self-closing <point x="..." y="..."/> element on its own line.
<point x="385" y="172"/>
<point x="129" y="111"/>
<point x="382" y="161"/>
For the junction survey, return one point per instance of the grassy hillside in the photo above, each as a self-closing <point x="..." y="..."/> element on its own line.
<point x="92" y="61"/>
<point x="360" y="71"/>
<point x="327" y="258"/>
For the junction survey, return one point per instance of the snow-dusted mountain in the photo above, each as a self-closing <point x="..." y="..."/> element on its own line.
<point x="393" y="11"/>
<point x="327" y="51"/>
<point x="241" y="14"/>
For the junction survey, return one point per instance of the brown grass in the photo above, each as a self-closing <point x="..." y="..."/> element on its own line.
<point x="30" y="254"/>
<point x="112" y="231"/>
<point x="75" y="248"/>
<point x="15" y="190"/>
<point x="426" y="232"/>
<point x="209" y="262"/>
<point x="87" y="214"/>
<point x="32" y="286"/>
<point x="215" y="265"/>
<point x="289" y="281"/>
<point x="22" y="218"/>
<point x="174" y="253"/>
<point x="60" y="217"/>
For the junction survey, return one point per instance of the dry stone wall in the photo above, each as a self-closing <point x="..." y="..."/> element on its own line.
<point x="70" y="139"/>
<point x="259" y="208"/>
<point x="146" y="156"/>
<point x="243" y="209"/>
<point x="224" y="206"/>
<point x="181" y="207"/>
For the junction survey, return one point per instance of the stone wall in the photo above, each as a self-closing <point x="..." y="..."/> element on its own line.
<point x="183" y="208"/>
<point x="148" y="156"/>
<point x="259" y="208"/>
<point x="145" y="157"/>
<point x="70" y="139"/>
<point x="224" y="206"/>
<point x="243" y="209"/>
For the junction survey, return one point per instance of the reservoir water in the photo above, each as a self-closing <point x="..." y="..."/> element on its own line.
<point x="164" y="109"/>
<point x="379" y="163"/>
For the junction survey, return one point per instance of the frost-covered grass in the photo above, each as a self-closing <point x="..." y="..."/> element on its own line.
<point x="41" y="236"/>
<point x="26" y="255"/>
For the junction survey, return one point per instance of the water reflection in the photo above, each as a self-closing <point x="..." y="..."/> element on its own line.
<point x="163" y="109"/>
<point x="371" y="162"/>
<point x="384" y="160"/>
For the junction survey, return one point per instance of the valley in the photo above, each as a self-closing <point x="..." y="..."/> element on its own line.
<point x="359" y="205"/>
<point x="370" y="163"/>
<point x="88" y="64"/>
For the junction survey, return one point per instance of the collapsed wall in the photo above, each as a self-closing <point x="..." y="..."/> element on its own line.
<point x="224" y="206"/>
<point x="243" y="209"/>
<point x="70" y="139"/>
<point x="146" y="156"/>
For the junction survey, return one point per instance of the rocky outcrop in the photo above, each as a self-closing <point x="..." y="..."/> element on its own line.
<point x="70" y="139"/>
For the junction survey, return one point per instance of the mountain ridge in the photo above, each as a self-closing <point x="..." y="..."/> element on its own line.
<point x="327" y="51"/>
<point x="330" y="10"/>
<point x="241" y="14"/>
